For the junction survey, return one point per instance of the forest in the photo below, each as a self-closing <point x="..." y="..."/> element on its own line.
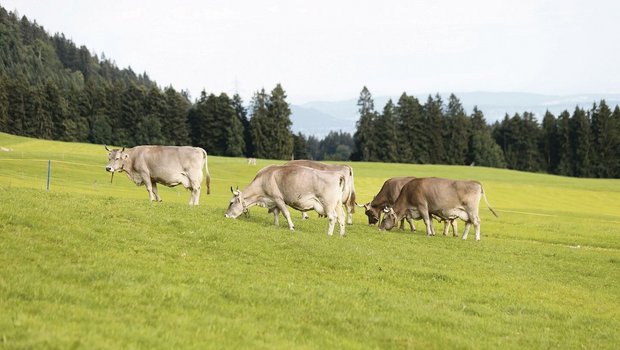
<point x="52" y="89"/>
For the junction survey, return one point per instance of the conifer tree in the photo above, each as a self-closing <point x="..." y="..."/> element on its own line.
<point x="387" y="135"/>
<point x="434" y="126"/>
<point x="365" y="135"/>
<point x="581" y="136"/>
<point x="482" y="148"/>
<point x="606" y="140"/>
<point x="242" y="115"/>
<point x="175" y="127"/>
<point x="260" y="124"/>
<point x="279" y="111"/>
<point x="410" y="130"/>
<point x="550" y="146"/>
<point x="565" y="164"/>
<point x="457" y="132"/>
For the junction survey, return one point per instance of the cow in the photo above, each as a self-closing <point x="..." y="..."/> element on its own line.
<point x="443" y="198"/>
<point x="301" y="188"/>
<point x="167" y="165"/>
<point x="387" y="196"/>
<point x="348" y="195"/>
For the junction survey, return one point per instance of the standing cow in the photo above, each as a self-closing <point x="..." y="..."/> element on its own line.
<point x="444" y="198"/>
<point x="387" y="197"/>
<point x="348" y="195"/>
<point x="167" y="165"/>
<point x="301" y="188"/>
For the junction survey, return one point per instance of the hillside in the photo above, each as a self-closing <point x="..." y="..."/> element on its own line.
<point x="93" y="264"/>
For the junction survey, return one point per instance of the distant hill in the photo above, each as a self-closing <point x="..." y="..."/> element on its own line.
<point x="320" y="117"/>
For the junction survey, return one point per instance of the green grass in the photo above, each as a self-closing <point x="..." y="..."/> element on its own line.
<point x="91" y="264"/>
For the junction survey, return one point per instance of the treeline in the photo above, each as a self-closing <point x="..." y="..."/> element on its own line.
<point x="585" y="143"/>
<point x="50" y="88"/>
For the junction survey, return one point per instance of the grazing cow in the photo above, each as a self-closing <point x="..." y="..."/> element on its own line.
<point x="443" y="198"/>
<point x="348" y="195"/>
<point x="301" y="188"/>
<point x="167" y="165"/>
<point x="387" y="196"/>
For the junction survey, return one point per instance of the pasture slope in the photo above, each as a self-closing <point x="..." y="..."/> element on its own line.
<point x="92" y="265"/>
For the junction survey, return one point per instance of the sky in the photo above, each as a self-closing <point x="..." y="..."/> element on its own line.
<point x="330" y="49"/>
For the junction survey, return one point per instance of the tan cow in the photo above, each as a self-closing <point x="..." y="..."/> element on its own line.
<point x="348" y="195"/>
<point x="301" y="188"/>
<point x="167" y="165"/>
<point x="447" y="199"/>
<point x="387" y="196"/>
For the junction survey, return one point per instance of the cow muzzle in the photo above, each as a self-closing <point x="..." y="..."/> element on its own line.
<point x="109" y="169"/>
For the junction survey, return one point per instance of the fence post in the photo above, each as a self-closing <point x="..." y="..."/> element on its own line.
<point x="49" y="172"/>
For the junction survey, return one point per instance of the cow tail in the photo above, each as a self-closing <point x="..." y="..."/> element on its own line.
<point x="352" y="197"/>
<point x="208" y="180"/>
<point x="487" y="202"/>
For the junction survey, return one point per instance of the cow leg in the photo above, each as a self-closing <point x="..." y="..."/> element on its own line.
<point x="341" y="215"/>
<point x="276" y="216"/>
<point x="476" y="226"/>
<point x="402" y="224"/>
<point x="282" y="207"/>
<point x="349" y="214"/>
<point x="446" y="228"/>
<point x="455" y="232"/>
<point x="155" y="192"/>
<point x="149" y="187"/>
<point x="428" y="222"/>
<point x="304" y="215"/>
<point x="195" y="198"/>
<point x="411" y="225"/>
<point x="466" y="232"/>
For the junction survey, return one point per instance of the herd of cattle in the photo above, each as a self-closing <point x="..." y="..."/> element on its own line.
<point x="309" y="185"/>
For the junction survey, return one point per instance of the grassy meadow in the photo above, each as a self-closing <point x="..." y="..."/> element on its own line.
<point x="91" y="264"/>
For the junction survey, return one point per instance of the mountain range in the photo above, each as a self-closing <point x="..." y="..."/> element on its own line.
<point x="318" y="118"/>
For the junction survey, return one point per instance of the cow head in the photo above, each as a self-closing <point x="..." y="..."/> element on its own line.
<point x="389" y="219"/>
<point x="116" y="159"/>
<point x="371" y="213"/>
<point x="237" y="205"/>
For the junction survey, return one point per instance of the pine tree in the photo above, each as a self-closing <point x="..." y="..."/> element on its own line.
<point x="410" y="125"/>
<point x="260" y="125"/>
<point x="550" y="147"/>
<point x="606" y="141"/>
<point x="565" y="164"/>
<point x="482" y="148"/>
<point x="434" y="126"/>
<point x="242" y="115"/>
<point x="581" y="136"/>
<point x="234" y="144"/>
<point x="615" y="124"/>
<point x="4" y="102"/>
<point x="457" y="132"/>
<point x="365" y="135"/>
<point x="279" y="112"/>
<point x="386" y="132"/>
<point x="300" y="148"/>
<point x="175" y="127"/>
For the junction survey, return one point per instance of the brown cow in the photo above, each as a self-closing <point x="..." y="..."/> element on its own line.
<point x="348" y="195"/>
<point x="301" y="188"/>
<point x="387" y="196"/>
<point x="167" y="165"/>
<point x="444" y="198"/>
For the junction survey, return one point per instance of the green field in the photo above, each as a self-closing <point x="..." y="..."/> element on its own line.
<point x="90" y="264"/>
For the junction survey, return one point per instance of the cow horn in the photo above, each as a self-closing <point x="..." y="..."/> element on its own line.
<point x="360" y="205"/>
<point x="123" y="150"/>
<point x="231" y="190"/>
<point x="106" y="148"/>
<point x="386" y="209"/>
